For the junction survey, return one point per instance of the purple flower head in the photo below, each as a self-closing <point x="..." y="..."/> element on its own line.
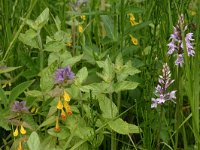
<point x="19" y="106"/>
<point x="177" y="43"/>
<point x="64" y="75"/>
<point x="164" y="81"/>
<point x="179" y="60"/>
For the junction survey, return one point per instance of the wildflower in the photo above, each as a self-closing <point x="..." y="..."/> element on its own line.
<point x="59" y="105"/>
<point x="16" y="132"/>
<point x="64" y="75"/>
<point x="132" y="19"/>
<point x="19" y="145"/>
<point x="177" y="44"/>
<point x="66" y="96"/>
<point x="63" y="114"/>
<point x="67" y="108"/>
<point x="133" y="40"/>
<point x="22" y="130"/>
<point x="80" y="28"/>
<point x="83" y="17"/>
<point x="161" y="93"/>
<point x="57" y="127"/>
<point x="19" y="106"/>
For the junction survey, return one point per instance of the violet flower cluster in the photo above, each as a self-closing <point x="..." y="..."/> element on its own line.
<point x="177" y="45"/>
<point x="64" y="75"/>
<point x="164" y="81"/>
<point x="19" y="106"/>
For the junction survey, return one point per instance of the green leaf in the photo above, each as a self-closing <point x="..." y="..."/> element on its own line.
<point x="34" y="141"/>
<point x="47" y="77"/>
<point x="81" y="76"/>
<point x="47" y="122"/>
<point x="83" y="132"/>
<point x="119" y="62"/>
<point x="97" y="88"/>
<point x="108" y="70"/>
<point x="108" y="108"/>
<point x="123" y="127"/>
<point x="34" y="93"/>
<point x="109" y="27"/>
<point x="125" y="85"/>
<point x="71" y="61"/>
<point x="16" y="91"/>
<point x="54" y="46"/>
<point x="7" y="69"/>
<point x="63" y="134"/>
<point x="42" y="19"/>
<point x="29" y="38"/>
<point x="3" y="97"/>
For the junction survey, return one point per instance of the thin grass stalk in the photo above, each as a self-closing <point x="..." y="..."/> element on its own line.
<point x="32" y="4"/>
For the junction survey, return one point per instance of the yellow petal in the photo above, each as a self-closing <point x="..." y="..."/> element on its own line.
<point x="59" y="105"/>
<point x="80" y="28"/>
<point x="67" y="108"/>
<point x="19" y="145"/>
<point x="66" y="96"/>
<point x="134" y="40"/>
<point x="22" y="130"/>
<point x="15" y="133"/>
<point x="33" y="109"/>
<point x="57" y="127"/>
<point x="63" y="114"/>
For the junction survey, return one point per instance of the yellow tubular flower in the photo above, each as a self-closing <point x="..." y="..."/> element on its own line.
<point x="22" y="130"/>
<point x="67" y="108"/>
<point x="132" y="19"/>
<point x="80" y="28"/>
<point x="68" y="44"/>
<point x="59" y="105"/>
<point x="134" y="40"/>
<point x="15" y="133"/>
<point x="66" y="96"/>
<point x="63" y="115"/>
<point x="57" y="127"/>
<point x="19" y="145"/>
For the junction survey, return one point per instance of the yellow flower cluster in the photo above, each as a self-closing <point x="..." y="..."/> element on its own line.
<point x="133" y="23"/>
<point x="64" y="106"/>
<point x="22" y="131"/>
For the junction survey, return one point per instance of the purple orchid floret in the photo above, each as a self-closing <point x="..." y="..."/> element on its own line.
<point x="63" y="75"/>
<point x="19" y="106"/>
<point x="164" y="81"/>
<point x="176" y="44"/>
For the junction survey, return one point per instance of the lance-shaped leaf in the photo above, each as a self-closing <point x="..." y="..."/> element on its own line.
<point x="34" y="141"/>
<point x="125" y="85"/>
<point x="81" y="76"/>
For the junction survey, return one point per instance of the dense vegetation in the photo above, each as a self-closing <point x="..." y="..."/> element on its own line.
<point x="99" y="74"/>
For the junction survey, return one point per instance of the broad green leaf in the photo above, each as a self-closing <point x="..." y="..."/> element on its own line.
<point x="29" y="38"/>
<point x="42" y="19"/>
<point x="83" y="132"/>
<point x="119" y="62"/>
<point x="123" y="127"/>
<point x="125" y="85"/>
<point x="57" y="22"/>
<point x="48" y="121"/>
<point x="97" y="88"/>
<point x="7" y="69"/>
<point x="63" y="134"/>
<point x="16" y="91"/>
<point x="4" y="124"/>
<point x="71" y="61"/>
<point x="58" y="56"/>
<point x="109" y="27"/>
<point x="81" y="76"/>
<point x="108" y="70"/>
<point x="54" y="46"/>
<point x="34" y="141"/>
<point x="108" y="108"/>
<point x="47" y="77"/>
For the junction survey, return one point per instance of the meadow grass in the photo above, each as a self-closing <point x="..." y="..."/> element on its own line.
<point x="116" y="50"/>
